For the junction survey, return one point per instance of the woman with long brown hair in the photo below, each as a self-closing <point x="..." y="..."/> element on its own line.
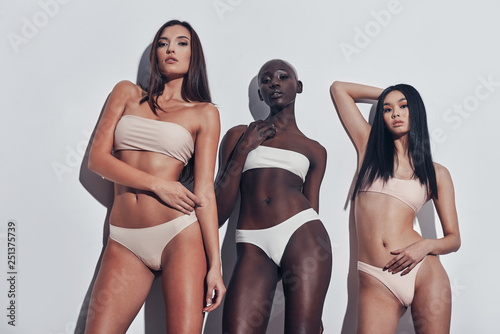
<point x="144" y="141"/>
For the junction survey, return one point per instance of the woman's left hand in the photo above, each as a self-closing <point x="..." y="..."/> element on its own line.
<point x="215" y="290"/>
<point x="407" y="258"/>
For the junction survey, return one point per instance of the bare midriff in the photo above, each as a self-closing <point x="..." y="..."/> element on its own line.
<point x="133" y="208"/>
<point x="268" y="197"/>
<point x="383" y="224"/>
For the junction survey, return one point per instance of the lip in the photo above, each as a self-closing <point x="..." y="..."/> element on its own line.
<point x="276" y="94"/>
<point x="170" y="60"/>
<point x="397" y="123"/>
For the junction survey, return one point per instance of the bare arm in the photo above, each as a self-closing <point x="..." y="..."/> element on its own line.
<point x="344" y="95"/>
<point x="315" y="177"/>
<point x="102" y="162"/>
<point x="207" y="139"/>
<point x="235" y="146"/>
<point x="447" y="212"/>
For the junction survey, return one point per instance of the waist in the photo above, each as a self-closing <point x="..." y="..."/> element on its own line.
<point x="140" y="209"/>
<point x="376" y="241"/>
<point x="266" y="213"/>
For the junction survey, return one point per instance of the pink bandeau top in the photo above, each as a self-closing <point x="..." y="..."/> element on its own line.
<point x="410" y="192"/>
<point x="144" y="134"/>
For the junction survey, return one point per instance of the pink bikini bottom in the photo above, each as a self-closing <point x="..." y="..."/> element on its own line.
<point x="403" y="287"/>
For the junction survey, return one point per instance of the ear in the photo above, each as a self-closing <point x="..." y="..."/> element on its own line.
<point x="300" y="86"/>
<point x="260" y="95"/>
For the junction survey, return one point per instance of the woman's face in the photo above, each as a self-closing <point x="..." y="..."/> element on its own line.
<point x="396" y="113"/>
<point x="278" y="85"/>
<point x="174" y="51"/>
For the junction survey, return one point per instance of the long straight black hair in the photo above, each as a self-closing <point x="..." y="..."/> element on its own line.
<point x="380" y="150"/>
<point x="194" y="86"/>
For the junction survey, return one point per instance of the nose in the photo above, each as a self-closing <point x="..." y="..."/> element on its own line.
<point x="275" y="83"/>
<point x="170" y="49"/>
<point x="395" y="113"/>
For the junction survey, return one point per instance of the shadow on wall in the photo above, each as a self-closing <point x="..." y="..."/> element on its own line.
<point x="102" y="190"/>
<point x="426" y="221"/>
<point x="259" y="110"/>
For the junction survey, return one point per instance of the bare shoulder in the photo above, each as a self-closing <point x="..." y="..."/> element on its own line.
<point x="128" y="89"/>
<point x="233" y="135"/>
<point x="318" y="150"/>
<point x="443" y="175"/>
<point x="206" y="110"/>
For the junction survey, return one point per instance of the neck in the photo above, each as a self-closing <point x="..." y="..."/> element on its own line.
<point x="283" y="118"/>
<point x="172" y="89"/>
<point x="401" y="144"/>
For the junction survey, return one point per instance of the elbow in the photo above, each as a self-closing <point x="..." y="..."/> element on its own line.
<point x="94" y="163"/>
<point x="335" y="87"/>
<point x="458" y="243"/>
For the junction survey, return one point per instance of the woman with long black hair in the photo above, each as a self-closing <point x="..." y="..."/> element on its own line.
<point x="396" y="176"/>
<point x="144" y="141"/>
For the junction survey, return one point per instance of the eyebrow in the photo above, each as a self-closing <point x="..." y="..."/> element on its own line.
<point x="269" y="73"/>
<point x="175" y="37"/>
<point x="387" y="103"/>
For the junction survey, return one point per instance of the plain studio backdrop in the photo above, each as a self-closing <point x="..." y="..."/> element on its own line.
<point x="61" y="59"/>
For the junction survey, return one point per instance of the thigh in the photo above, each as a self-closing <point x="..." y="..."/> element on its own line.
<point x="306" y="271"/>
<point x="431" y="307"/>
<point x="184" y="268"/>
<point x="378" y="309"/>
<point x="120" y="289"/>
<point x="250" y="293"/>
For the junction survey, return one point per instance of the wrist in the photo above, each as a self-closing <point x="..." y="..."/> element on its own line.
<point x="214" y="264"/>
<point x="152" y="184"/>
<point x="428" y="246"/>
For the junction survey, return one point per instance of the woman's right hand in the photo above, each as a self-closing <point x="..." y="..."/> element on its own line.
<point x="175" y="195"/>
<point x="255" y="134"/>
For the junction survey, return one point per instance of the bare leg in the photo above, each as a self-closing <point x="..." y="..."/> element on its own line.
<point x="184" y="268"/>
<point x="306" y="266"/>
<point x="120" y="289"/>
<point x="250" y="292"/>
<point x="431" y="307"/>
<point x="378" y="309"/>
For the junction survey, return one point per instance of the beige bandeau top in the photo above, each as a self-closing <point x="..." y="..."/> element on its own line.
<point x="144" y="134"/>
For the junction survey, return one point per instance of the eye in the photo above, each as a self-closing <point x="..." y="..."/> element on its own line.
<point x="404" y="106"/>
<point x="264" y="80"/>
<point x="387" y="110"/>
<point x="283" y="76"/>
<point x="183" y="43"/>
<point x="162" y="44"/>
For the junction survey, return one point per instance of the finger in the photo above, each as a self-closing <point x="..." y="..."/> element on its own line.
<point x="209" y="297"/>
<point x="410" y="268"/>
<point x="394" y="263"/>
<point x="269" y="133"/>
<point x="189" y="202"/>
<point x="194" y="198"/>
<point x="216" y="301"/>
<point x="397" y="251"/>
<point x="391" y="262"/>
<point x="182" y="208"/>
<point x="401" y="265"/>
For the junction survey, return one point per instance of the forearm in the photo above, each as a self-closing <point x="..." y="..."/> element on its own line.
<point x="355" y="91"/>
<point x="120" y="172"/>
<point x="227" y="186"/>
<point x="207" y="218"/>
<point x="447" y="244"/>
